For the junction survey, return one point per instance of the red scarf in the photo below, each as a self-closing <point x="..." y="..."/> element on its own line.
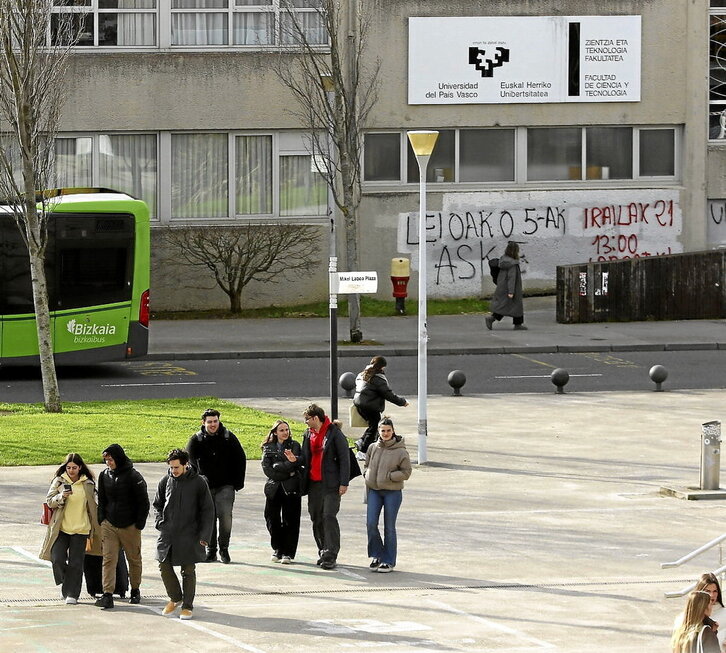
<point x="317" y="441"/>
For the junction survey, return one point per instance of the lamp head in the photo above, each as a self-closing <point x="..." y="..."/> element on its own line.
<point x="423" y="142"/>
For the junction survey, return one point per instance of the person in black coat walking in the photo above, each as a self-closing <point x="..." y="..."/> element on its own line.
<point x="123" y="506"/>
<point x="507" y="299"/>
<point x="371" y="393"/>
<point x="282" y="464"/>
<point x="218" y="456"/>
<point x="184" y="518"/>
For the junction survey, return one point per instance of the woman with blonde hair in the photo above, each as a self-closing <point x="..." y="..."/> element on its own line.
<point x="72" y="497"/>
<point x="697" y="631"/>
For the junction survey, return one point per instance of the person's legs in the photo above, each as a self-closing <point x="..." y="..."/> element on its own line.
<point x="171" y="582"/>
<point x="189" y="585"/>
<point x="497" y="316"/>
<point x="224" y="503"/>
<point x="111" y="545"/>
<point x="331" y="528"/>
<point x="273" y="507"/>
<point x="130" y="538"/>
<point x="315" y="510"/>
<point x="74" y="571"/>
<point x="291" y="506"/>
<point x="369" y="435"/>
<point x="375" y="544"/>
<point x="59" y="558"/>
<point x="391" y="503"/>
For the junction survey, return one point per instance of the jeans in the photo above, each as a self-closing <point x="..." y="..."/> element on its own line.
<point x="282" y="516"/>
<point x="323" y="506"/>
<point x="184" y="592"/>
<point x="223" y="498"/>
<point x="67" y="556"/>
<point x="114" y="538"/>
<point x="390" y="501"/>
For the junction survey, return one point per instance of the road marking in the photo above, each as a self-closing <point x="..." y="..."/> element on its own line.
<point x="208" y="631"/>
<point x="46" y="625"/>
<point x="351" y="574"/>
<point x="28" y="554"/>
<point x="144" y="385"/>
<point x="495" y="626"/>
<point x="534" y="360"/>
<point x="539" y="376"/>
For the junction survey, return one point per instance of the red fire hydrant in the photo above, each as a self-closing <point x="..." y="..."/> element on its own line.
<point x="400" y="274"/>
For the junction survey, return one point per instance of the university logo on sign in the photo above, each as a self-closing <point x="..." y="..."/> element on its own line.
<point x="477" y="57"/>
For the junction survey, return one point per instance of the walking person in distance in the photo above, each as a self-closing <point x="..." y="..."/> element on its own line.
<point x="507" y="299"/>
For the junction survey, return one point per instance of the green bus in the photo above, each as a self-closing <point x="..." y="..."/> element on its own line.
<point x="97" y="267"/>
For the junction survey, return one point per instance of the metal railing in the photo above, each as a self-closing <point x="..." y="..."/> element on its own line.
<point x="721" y="571"/>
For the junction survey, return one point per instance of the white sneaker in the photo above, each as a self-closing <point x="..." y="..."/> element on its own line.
<point x="286" y="560"/>
<point x="70" y="600"/>
<point x="275" y="558"/>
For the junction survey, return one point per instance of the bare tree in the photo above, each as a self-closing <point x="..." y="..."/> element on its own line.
<point x="335" y="127"/>
<point x="236" y="256"/>
<point x="32" y="73"/>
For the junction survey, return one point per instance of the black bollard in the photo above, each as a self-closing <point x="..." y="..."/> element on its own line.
<point x="657" y="375"/>
<point x="456" y="380"/>
<point x="560" y="377"/>
<point x="347" y="382"/>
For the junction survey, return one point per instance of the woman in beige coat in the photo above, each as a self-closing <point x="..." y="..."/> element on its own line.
<point x="72" y="498"/>
<point x="387" y="466"/>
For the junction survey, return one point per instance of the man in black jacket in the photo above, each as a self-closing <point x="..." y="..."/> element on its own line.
<point x="218" y="456"/>
<point x="184" y="514"/>
<point x="123" y="506"/>
<point x="327" y="463"/>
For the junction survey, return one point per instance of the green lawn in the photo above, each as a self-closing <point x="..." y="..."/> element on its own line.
<point x="147" y="430"/>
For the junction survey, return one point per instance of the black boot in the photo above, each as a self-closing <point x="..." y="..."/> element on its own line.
<point x="105" y="602"/>
<point x="135" y="596"/>
<point x="224" y="556"/>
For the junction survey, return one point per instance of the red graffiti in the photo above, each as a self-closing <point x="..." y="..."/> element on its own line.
<point x="623" y="215"/>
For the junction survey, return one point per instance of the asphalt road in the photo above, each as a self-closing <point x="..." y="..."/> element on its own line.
<point x="299" y="377"/>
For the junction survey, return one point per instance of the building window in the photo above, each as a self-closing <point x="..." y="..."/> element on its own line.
<point x="120" y="23"/>
<point x="442" y="166"/>
<point x="486" y="155"/>
<point x="303" y="190"/>
<point x="254" y="175"/>
<point x="554" y="154"/>
<point x="199" y="174"/>
<point x="657" y="152"/>
<point x="123" y="162"/>
<point x="717" y="71"/>
<point x="382" y="157"/>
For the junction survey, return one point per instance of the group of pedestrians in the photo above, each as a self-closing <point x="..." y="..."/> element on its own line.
<point x="194" y="501"/>
<point x="696" y="629"/>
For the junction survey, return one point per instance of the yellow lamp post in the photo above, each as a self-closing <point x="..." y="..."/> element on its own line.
<point x="422" y="143"/>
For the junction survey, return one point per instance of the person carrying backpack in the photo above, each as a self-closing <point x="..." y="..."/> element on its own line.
<point x="507" y="299"/>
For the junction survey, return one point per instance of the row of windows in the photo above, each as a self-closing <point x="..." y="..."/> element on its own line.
<point x="218" y="176"/>
<point x="526" y="154"/>
<point x="188" y="23"/>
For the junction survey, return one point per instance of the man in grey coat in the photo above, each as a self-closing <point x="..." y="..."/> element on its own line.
<point x="184" y="518"/>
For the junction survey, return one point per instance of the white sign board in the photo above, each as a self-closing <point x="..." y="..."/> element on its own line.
<point x="524" y="59"/>
<point x="357" y="282"/>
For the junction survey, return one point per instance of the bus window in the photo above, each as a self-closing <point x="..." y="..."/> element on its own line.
<point x="16" y="294"/>
<point x="94" y="260"/>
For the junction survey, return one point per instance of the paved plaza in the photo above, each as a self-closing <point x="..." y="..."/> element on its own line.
<point x="537" y="525"/>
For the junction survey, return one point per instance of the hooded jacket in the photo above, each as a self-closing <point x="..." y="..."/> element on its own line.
<point x="219" y="457"/>
<point x="184" y="514"/>
<point x="122" y="494"/>
<point x="509" y="282"/>
<point x="372" y="395"/>
<point x="387" y="464"/>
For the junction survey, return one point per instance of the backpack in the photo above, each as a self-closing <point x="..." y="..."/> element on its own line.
<point x="494" y="268"/>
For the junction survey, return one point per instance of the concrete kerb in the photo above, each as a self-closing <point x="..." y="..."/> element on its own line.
<point x="549" y="505"/>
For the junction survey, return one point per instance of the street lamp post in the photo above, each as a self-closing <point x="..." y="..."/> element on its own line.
<point x="329" y="90"/>
<point x="422" y="143"/>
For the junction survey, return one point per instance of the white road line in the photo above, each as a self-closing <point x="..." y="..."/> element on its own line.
<point x="495" y="626"/>
<point x="351" y="574"/>
<point x="144" y="385"/>
<point x="208" y="631"/>
<point x="46" y="625"/>
<point x="28" y="554"/>
<point x="539" y="376"/>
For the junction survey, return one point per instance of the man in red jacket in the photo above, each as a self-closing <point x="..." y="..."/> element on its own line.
<point x="327" y="463"/>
